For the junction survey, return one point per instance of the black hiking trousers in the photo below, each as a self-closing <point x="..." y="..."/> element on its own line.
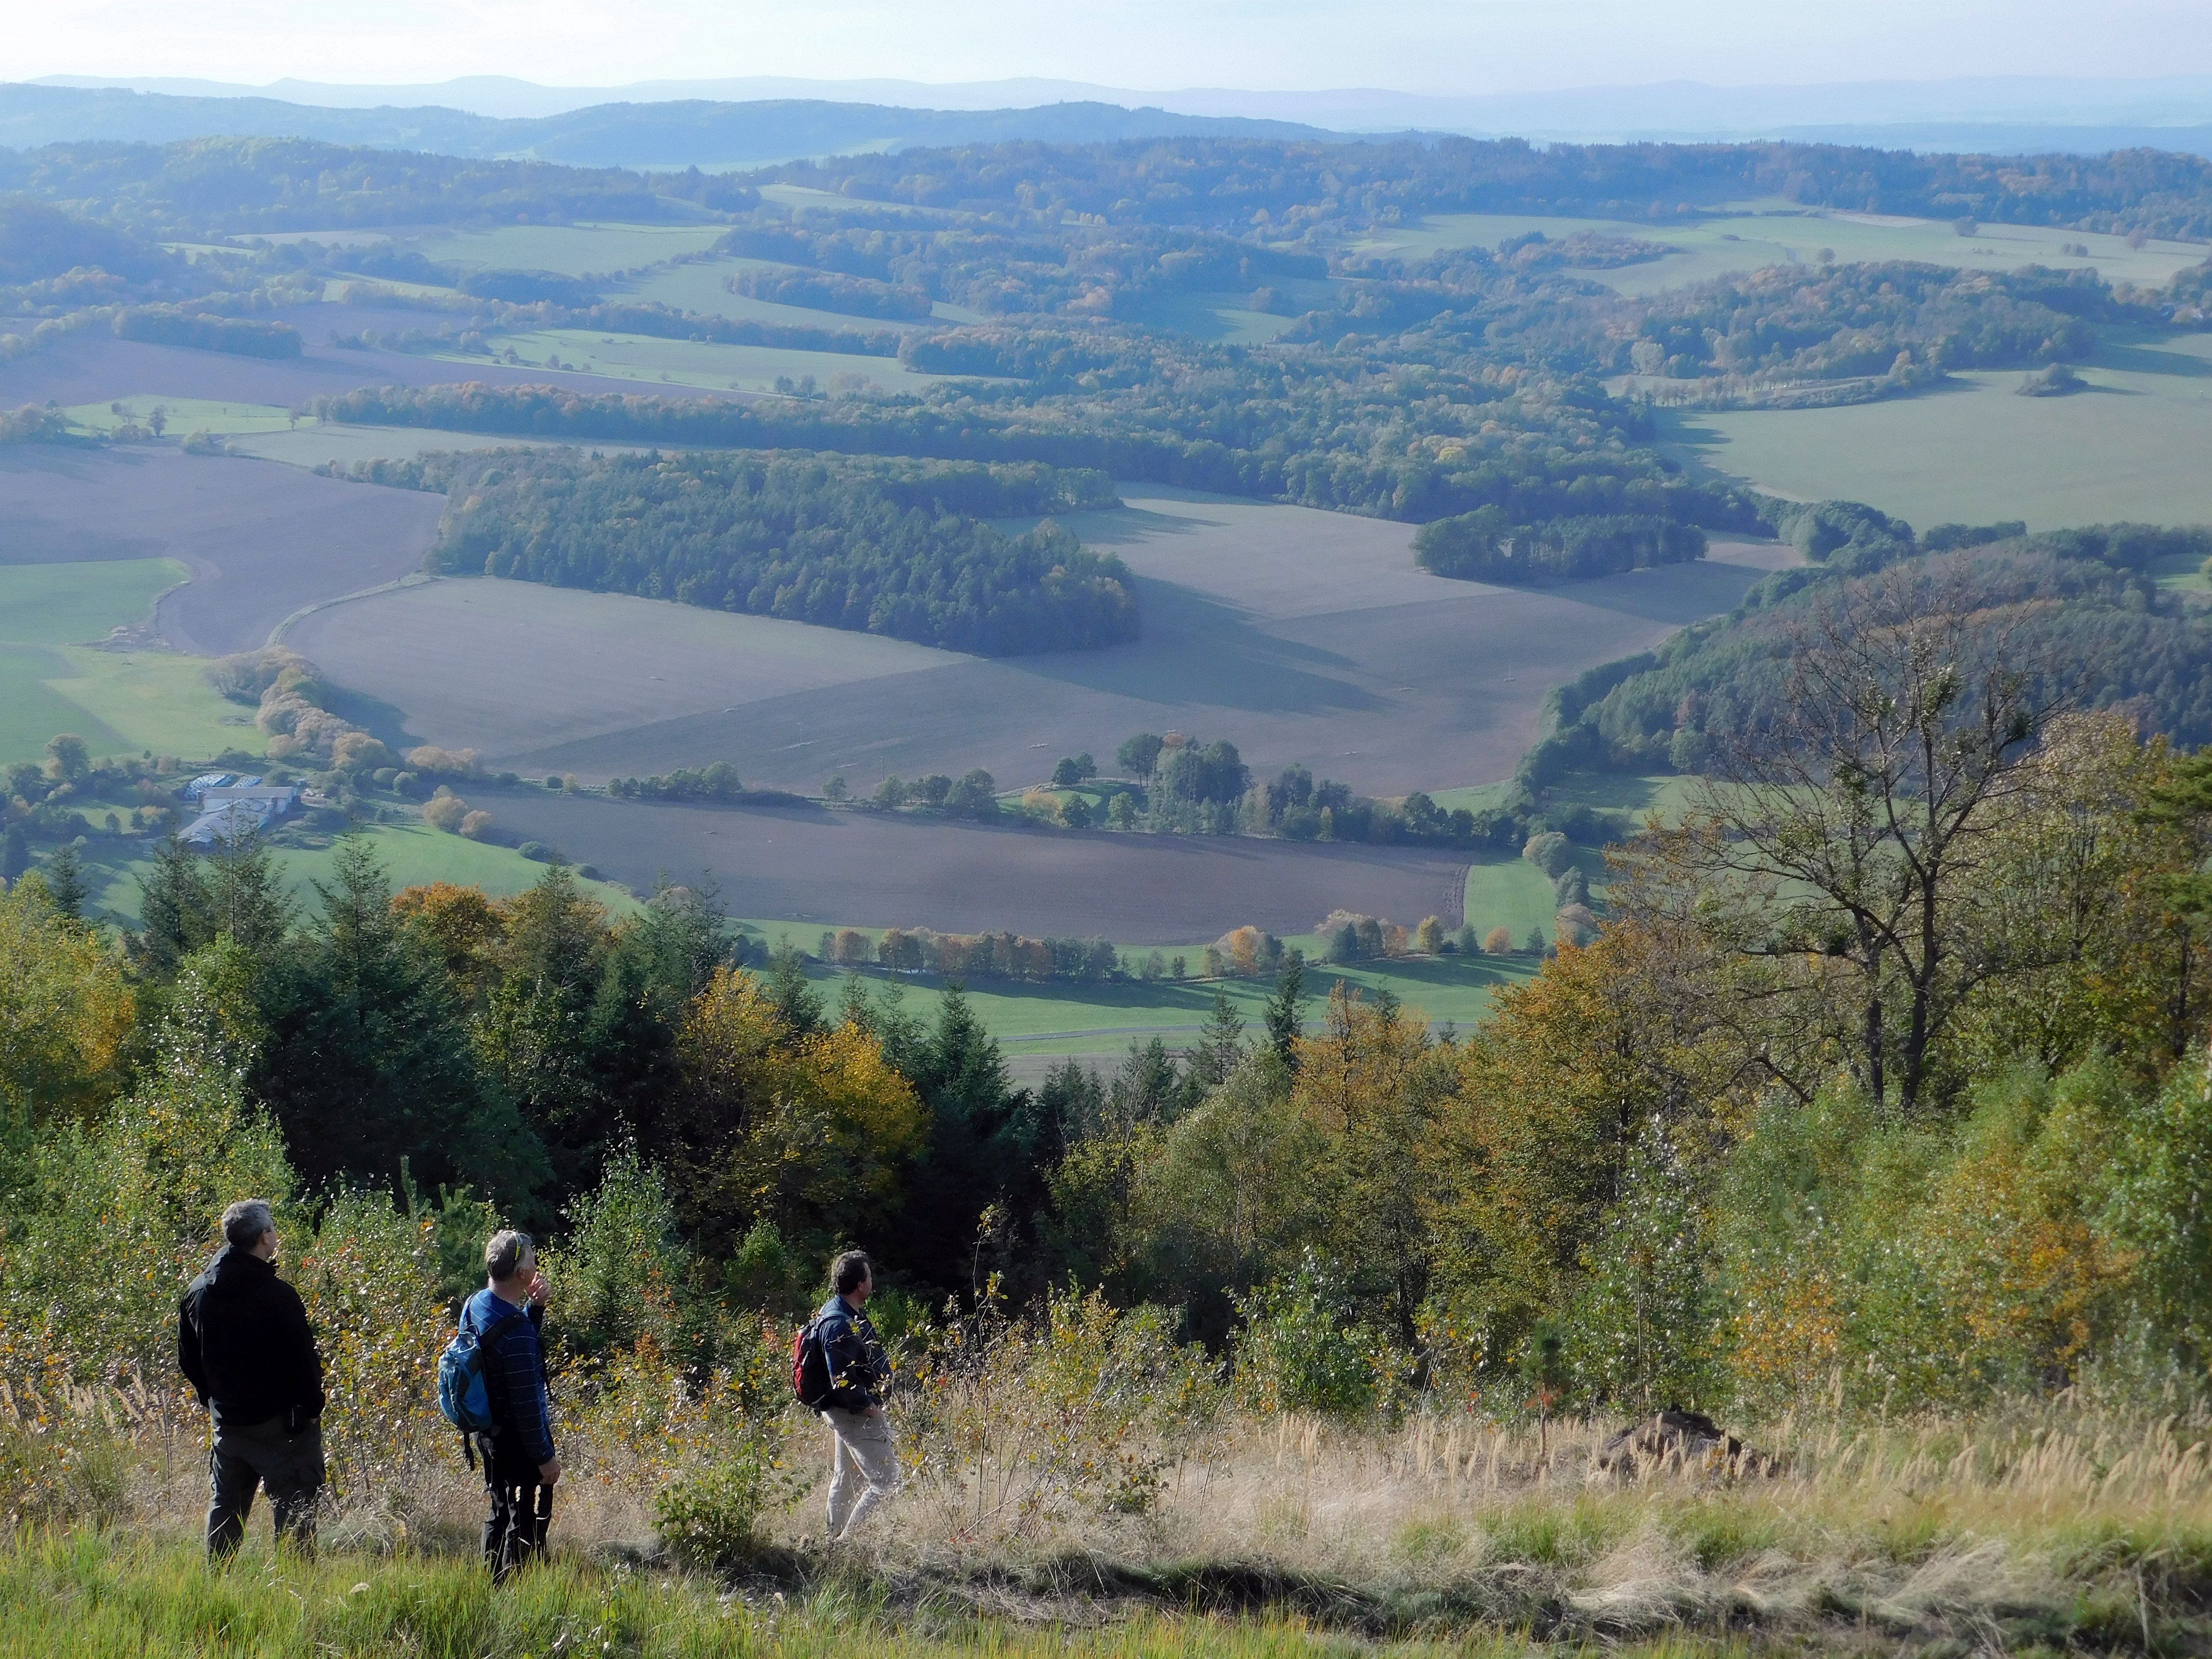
<point x="287" y="1461"/>
<point x="521" y="1506"/>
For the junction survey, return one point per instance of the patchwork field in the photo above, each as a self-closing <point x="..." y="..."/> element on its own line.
<point x="813" y="866"/>
<point x="1039" y="1026"/>
<point x="259" y="540"/>
<point x="1299" y="635"/>
<point x="553" y="667"/>
<point x="1770" y="233"/>
<point x="2134" y="445"/>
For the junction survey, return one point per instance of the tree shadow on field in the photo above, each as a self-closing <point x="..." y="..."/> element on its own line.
<point x="2147" y="355"/>
<point x="1197" y="649"/>
<point x="380" y="720"/>
<point x="1117" y="526"/>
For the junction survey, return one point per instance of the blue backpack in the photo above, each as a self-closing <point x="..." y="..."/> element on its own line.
<point x="463" y="1391"/>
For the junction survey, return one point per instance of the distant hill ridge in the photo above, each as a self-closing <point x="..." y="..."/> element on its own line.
<point x="677" y="134"/>
<point x="2010" y="114"/>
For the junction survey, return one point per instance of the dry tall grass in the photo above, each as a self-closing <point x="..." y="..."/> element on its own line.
<point x="2072" y="1520"/>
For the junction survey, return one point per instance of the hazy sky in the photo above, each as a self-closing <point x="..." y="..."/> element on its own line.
<point x="1424" y="46"/>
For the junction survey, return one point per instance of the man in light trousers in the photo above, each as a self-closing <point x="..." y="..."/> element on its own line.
<point x="864" y="1467"/>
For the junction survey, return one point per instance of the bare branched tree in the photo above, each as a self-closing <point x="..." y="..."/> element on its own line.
<point x="1862" y="811"/>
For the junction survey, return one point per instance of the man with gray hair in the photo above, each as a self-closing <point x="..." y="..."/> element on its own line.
<point x="244" y="1344"/>
<point x="520" y="1467"/>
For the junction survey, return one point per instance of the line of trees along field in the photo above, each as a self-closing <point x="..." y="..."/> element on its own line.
<point x="872" y="545"/>
<point x="1300" y="434"/>
<point x="1887" y="1077"/>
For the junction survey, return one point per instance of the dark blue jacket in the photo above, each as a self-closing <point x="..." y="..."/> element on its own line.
<point x="858" y="1372"/>
<point x="515" y="1371"/>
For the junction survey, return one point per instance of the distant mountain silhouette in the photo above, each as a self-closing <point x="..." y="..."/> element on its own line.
<point x="671" y="134"/>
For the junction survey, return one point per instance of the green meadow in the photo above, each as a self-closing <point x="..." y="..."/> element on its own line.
<point x="569" y="250"/>
<point x="2134" y="444"/>
<point x="78" y="603"/>
<point x="697" y="362"/>
<point x="1098" y="1023"/>
<point x="183" y="415"/>
<point x="339" y="290"/>
<point x="54" y="679"/>
<point x="1758" y="234"/>
<point x="151" y="700"/>
<point x="317" y="442"/>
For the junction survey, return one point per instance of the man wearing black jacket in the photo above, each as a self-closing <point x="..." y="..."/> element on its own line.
<point x="861" y="1451"/>
<point x="244" y="1344"/>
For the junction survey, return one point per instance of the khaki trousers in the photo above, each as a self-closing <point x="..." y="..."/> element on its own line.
<point x="862" y="1456"/>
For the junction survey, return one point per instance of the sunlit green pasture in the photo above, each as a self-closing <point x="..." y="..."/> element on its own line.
<point x="54" y="678"/>
<point x="78" y="603"/>
<point x="800" y="198"/>
<point x="183" y="416"/>
<point x="118" y="702"/>
<point x="569" y="250"/>
<point x="1223" y="317"/>
<point x="699" y="364"/>
<point x="342" y="289"/>
<point x="2133" y="444"/>
<point x="1771" y="234"/>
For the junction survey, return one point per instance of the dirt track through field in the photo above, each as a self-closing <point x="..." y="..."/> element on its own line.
<point x="1297" y="635"/>
<point x="818" y="867"/>
<point x="260" y="539"/>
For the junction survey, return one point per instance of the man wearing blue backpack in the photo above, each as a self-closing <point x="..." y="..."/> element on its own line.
<point x="520" y="1464"/>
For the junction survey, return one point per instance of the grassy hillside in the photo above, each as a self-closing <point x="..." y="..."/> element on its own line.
<point x="2130" y="447"/>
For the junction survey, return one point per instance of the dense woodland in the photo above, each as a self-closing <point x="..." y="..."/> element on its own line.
<point x="2075" y="610"/>
<point x="878" y="546"/>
